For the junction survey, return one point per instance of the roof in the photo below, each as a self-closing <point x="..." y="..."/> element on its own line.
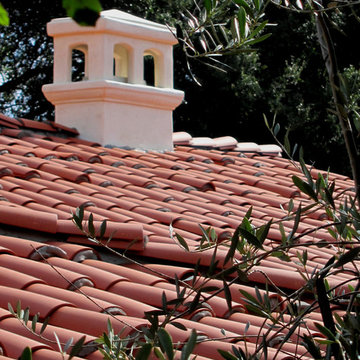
<point x="47" y="263"/>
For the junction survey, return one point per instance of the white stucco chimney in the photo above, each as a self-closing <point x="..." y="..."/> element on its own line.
<point x="112" y="104"/>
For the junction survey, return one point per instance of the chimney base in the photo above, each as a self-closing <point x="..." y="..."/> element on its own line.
<point x="115" y="113"/>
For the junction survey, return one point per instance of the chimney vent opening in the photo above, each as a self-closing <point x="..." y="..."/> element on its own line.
<point x="79" y="63"/>
<point x="121" y="63"/>
<point x="149" y="69"/>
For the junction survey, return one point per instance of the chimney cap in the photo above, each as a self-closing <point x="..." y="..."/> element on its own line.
<point x="116" y="22"/>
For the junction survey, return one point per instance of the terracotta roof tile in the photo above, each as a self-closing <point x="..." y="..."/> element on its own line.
<point x="28" y="219"/>
<point x="15" y="279"/>
<point x="31" y="124"/>
<point x="58" y="271"/>
<point x="45" y="272"/>
<point x="13" y="325"/>
<point x="64" y="317"/>
<point x="13" y="344"/>
<point x="30" y="249"/>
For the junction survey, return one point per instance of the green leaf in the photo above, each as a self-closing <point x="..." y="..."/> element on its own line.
<point x="287" y="142"/>
<point x="209" y="289"/>
<point x="329" y="197"/>
<point x="256" y="310"/>
<point x="58" y="342"/>
<point x="78" y="217"/>
<point x="356" y="120"/>
<point x="247" y="327"/>
<point x="296" y="223"/>
<point x="233" y="245"/>
<point x="304" y="187"/>
<point x="248" y="296"/>
<point x="166" y="343"/>
<point x="91" y="227"/>
<point x="239" y="353"/>
<point x="325" y="331"/>
<point x="227" y="355"/>
<point x="256" y="31"/>
<point x="246" y="6"/>
<point x="26" y="354"/>
<point x="34" y="322"/>
<point x="18" y="308"/>
<point x="77" y="347"/>
<point x="242" y="21"/>
<point x="11" y="310"/>
<point x="228" y="296"/>
<point x="290" y="205"/>
<point x="102" y="229"/>
<point x="306" y="171"/>
<point x="44" y="325"/>
<point x="235" y="31"/>
<point x="193" y="304"/>
<point x="347" y="257"/>
<point x="313" y="349"/>
<point x="213" y="265"/>
<point x="144" y="352"/>
<point x="26" y="316"/>
<point x="178" y="325"/>
<point x="205" y="233"/>
<point x="258" y="295"/>
<point x="84" y="12"/>
<point x="242" y="275"/>
<point x="182" y="242"/>
<point x="248" y="213"/>
<point x="246" y="224"/>
<point x="164" y="301"/>
<point x="264" y="348"/>
<point x="68" y="344"/>
<point x="4" y="16"/>
<point x="283" y="234"/>
<point x="208" y="5"/>
<point x="281" y="255"/>
<point x="263" y="231"/>
<point x="159" y="354"/>
<point x="276" y="129"/>
<point x="253" y="240"/>
<point x="324" y="342"/>
<point x="189" y="346"/>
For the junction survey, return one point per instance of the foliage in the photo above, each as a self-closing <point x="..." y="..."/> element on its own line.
<point x="4" y="17"/>
<point x="83" y="12"/>
<point x="23" y="315"/>
<point x="216" y="28"/>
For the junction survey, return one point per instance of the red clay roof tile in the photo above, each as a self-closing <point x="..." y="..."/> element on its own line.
<point x="15" y="279"/>
<point x="140" y="194"/>
<point x="48" y="337"/>
<point x="28" y="219"/>
<point x="30" y="249"/>
<point x="13" y="344"/>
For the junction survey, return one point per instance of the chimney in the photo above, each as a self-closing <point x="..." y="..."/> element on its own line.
<point x="112" y="104"/>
